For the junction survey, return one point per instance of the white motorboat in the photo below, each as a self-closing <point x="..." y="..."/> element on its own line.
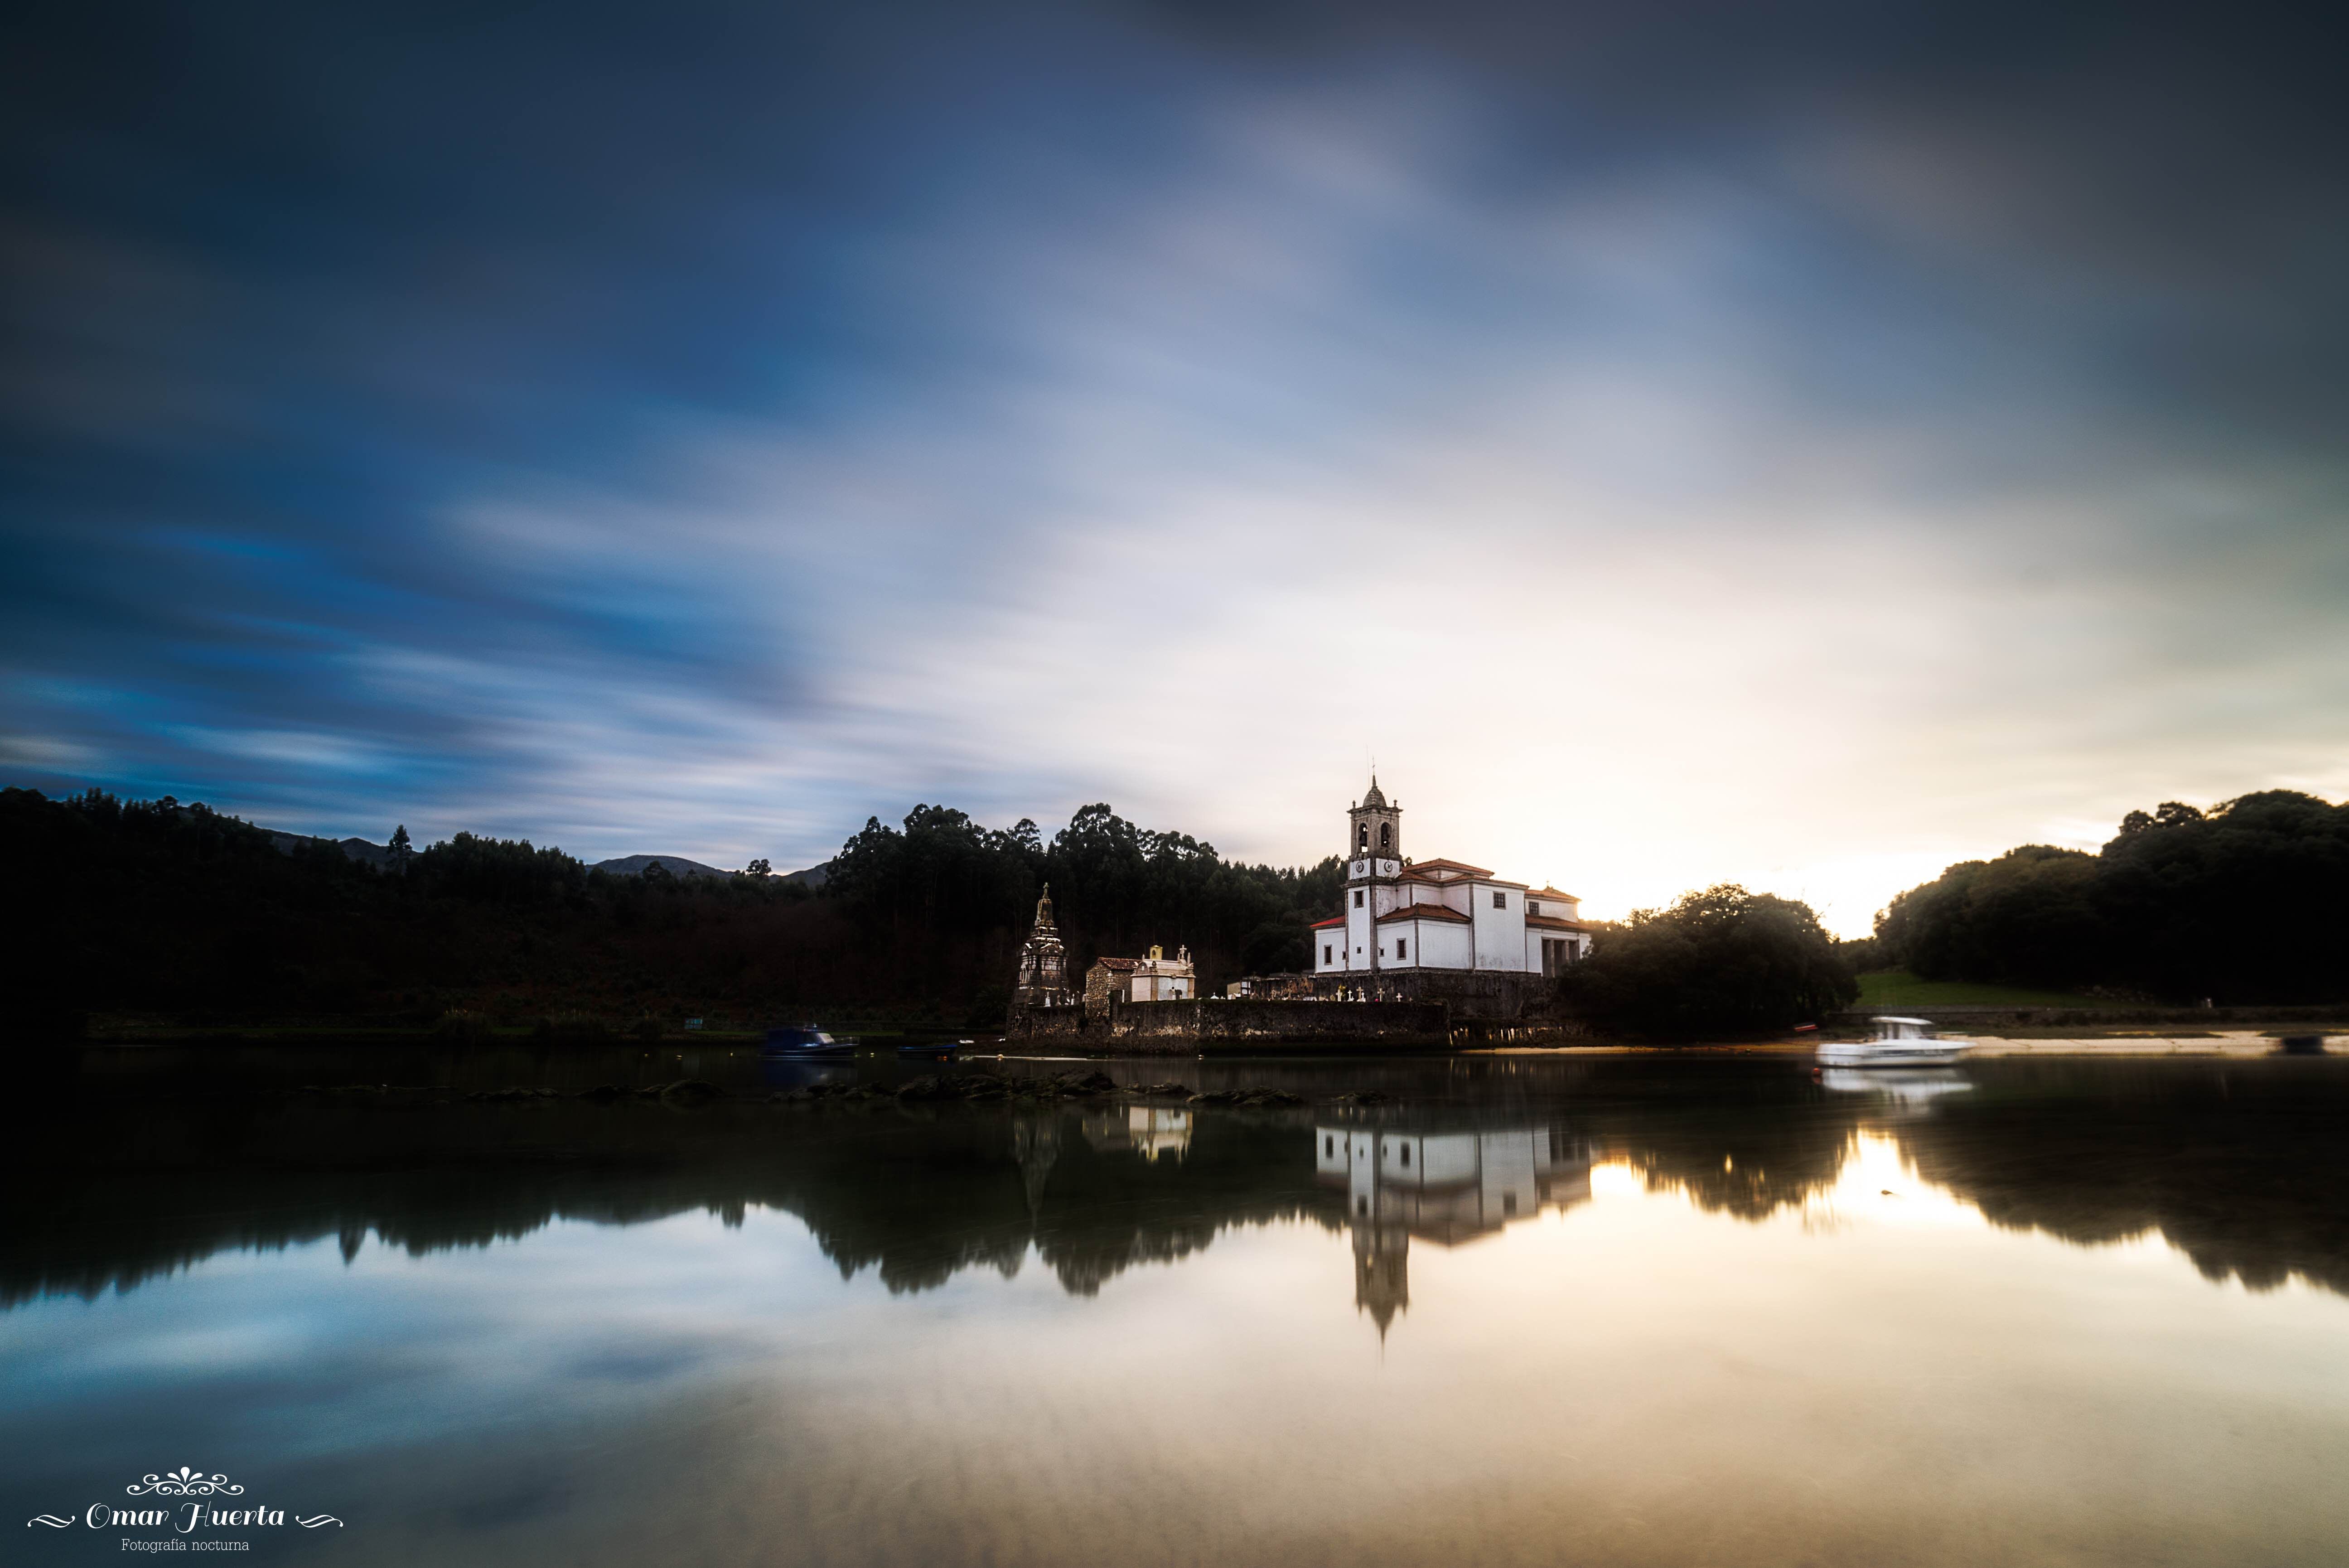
<point x="1898" y="1042"/>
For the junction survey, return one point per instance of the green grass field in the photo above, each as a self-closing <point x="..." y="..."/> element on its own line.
<point x="1898" y="988"/>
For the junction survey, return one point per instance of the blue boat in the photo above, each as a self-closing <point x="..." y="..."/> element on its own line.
<point x="805" y="1043"/>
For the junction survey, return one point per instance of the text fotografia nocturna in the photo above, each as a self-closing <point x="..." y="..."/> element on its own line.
<point x="183" y="1518"/>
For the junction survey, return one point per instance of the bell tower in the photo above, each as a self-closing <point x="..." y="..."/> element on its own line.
<point x="1373" y="860"/>
<point x="1373" y="833"/>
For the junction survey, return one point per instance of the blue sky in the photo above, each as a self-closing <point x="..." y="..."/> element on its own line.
<point x="1796" y="444"/>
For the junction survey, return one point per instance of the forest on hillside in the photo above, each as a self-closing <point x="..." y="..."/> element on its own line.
<point x="2242" y="904"/>
<point x="183" y="915"/>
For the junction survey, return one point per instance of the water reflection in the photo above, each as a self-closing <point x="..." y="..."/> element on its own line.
<point x="1150" y="1130"/>
<point x="1631" y="1310"/>
<point x="1444" y="1187"/>
<point x="2239" y="1164"/>
<point x="1908" y="1086"/>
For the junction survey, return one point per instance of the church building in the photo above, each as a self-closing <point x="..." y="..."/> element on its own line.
<point x="1438" y="914"/>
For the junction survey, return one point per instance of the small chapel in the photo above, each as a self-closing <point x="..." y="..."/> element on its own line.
<point x="1438" y="914"/>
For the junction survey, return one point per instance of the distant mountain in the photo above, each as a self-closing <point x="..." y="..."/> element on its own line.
<point x="379" y="857"/>
<point x="814" y="877"/>
<point x="375" y="855"/>
<point x="675" y="865"/>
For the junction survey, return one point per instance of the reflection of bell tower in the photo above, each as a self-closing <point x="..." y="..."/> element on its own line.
<point x="1375" y="829"/>
<point x="1036" y="1144"/>
<point x="1382" y="1269"/>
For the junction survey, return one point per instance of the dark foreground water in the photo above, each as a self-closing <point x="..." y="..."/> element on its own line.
<point x="1611" y="1310"/>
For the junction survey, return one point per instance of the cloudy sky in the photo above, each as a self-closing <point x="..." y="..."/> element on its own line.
<point x="1795" y="444"/>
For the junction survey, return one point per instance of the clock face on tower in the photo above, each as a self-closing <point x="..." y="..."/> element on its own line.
<point x="1362" y="871"/>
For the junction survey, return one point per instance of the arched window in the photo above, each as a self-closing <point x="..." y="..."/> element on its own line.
<point x="1362" y="836"/>
<point x="1386" y="836"/>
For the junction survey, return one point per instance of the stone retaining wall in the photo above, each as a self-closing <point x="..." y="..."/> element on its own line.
<point x="1183" y="1028"/>
<point x="1493" y="993"/>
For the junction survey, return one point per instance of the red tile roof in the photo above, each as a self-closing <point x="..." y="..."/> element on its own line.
<point x="1553" y="893"/>
<point x="1551" y="923"/>
<point x="1116" y="963"/>
<point x="1333" y="920"/>
<point x="1458" y="868"/>
<point x="1425" y="912"/>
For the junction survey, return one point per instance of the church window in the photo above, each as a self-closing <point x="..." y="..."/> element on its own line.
<point x="1362" y="836"/>
<point x="1399" y="951"/>
<point x="1500" y="901"/>
<point x="1386" y="836"/>
<point x="1358" y="898"/>
<point x="1325" y="953"/>
<point x="1328" y="1146"/>
<point x="1362" y="1205"/>
<point x="1406" y="1156"/>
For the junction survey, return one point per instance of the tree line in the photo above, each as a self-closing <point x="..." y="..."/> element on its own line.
<point x="182" y="913"/>
<point x="2242" y="904"/>
<point x="945" y="891"/>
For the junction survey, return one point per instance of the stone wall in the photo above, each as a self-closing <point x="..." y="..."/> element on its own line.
<point x="1245" y="1020"/>
<point x="1183" y="1028"/>
<point x="1469" y="993"/>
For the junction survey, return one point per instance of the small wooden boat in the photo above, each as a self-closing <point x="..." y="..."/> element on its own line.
<point x="930" y="1050"/>
<point x="805" y="1043"/>
<point x="1898" y="1042"/>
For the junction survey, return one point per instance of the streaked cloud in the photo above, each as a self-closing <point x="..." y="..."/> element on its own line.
<point x="1838" y="459"/>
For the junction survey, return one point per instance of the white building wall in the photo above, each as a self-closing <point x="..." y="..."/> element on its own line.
<point x="1506" y="1175"/>
<point x="1500" y="933"/>
<point x="1446" y="945"/>
<point x="1448" y="1159"/>
<point x="1334" y="938"/>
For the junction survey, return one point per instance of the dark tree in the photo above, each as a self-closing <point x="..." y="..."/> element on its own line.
<point x="1722" y="961"/>
<point x="2240" y="903"/>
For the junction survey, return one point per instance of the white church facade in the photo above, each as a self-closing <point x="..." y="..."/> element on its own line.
<point x="1438" y="914"/>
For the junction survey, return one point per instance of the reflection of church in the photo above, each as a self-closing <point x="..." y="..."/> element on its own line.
<point x="1448" y="1188"/>
<point x="1150" y="1130"/>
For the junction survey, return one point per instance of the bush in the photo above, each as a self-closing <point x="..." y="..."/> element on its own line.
<point x="460" y="1026"/>
<point x="1724" y="961"/>
<point x="989" y="1009"/>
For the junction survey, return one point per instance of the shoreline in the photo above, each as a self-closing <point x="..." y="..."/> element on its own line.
<point x="2236" y="1043"/>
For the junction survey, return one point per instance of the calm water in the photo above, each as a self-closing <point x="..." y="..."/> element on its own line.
<point x="1613" y="1310"/>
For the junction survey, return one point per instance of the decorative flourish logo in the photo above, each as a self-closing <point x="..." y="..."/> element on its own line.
<point x="183" y="1482"/>
<point x="183" y="1518"/>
